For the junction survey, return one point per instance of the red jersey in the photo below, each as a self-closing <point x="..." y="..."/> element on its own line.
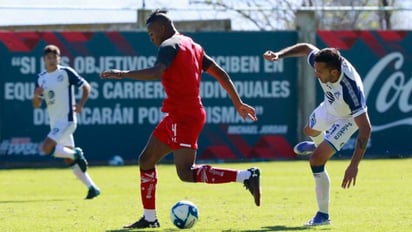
<point x="185" y="61"/>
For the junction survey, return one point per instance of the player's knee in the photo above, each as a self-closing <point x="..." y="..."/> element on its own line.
<point x="185" y="174"/>
<point x="146" y="162"/>
<point x="317" y="159"/>
<point x="310" y="132"/>
<point x="69" y="162"/>
<point x="47" y="149"/>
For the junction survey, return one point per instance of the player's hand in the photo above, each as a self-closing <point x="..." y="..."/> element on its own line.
<point x="111" y="74"/>
<point x="78" y="108"/>
<point x="350" y="176"/>
<point x="38" y="91"/>
<point x="247" y="111"/>
<point x="270" y="56"/>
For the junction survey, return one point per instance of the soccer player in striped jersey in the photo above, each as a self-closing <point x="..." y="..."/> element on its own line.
<point x="180" y="63"/>
<point x="56" y="87"/>
<point x="342" y="113"/>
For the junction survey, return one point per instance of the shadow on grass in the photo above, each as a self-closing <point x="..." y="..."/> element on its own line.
<point x="146" y="230"/>
<point x="264" y="228"/>
<point x="276" y="228"/>
<point x="30" y="201"/>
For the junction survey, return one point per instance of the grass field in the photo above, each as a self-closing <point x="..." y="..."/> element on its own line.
<point x="52" y="199"/>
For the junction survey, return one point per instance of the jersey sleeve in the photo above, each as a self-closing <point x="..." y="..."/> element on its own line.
<point x="167" y="53"/>
<point x="311" y="58"/>
<point x="207" y="61"/>
<point x="74" y="78"/>
<point x="354" y="97"/>
<point x="37" y="81"/>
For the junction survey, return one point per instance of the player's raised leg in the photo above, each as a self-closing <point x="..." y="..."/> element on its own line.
<point x="188" y="172"/>
<point x="314" y="129"/>
<point x="73" y="157"/>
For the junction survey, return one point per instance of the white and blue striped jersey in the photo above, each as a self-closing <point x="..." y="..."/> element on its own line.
<point x="345" y="97"/>
<point x="59" y="93"/>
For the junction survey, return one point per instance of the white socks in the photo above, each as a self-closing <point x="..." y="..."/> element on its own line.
<point x="63" y="152"/>
<point x="150" y="215"/>
<point x="242" y="175"/>
<point x="322" y="188"/>
<point x="83" y="176"/>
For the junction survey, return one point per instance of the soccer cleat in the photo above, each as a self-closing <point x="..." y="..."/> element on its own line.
<point x="304" y="148"/>
<point x="79" y="159"/>
<point x="92" y="193"/>
<point x="253" y="184"/>
<point x="319" y="219"/>
<point x="142" y="223"/>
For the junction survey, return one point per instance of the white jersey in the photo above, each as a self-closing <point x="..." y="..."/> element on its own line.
<point x="346" y="97"/>
<point x="59" y="93"/>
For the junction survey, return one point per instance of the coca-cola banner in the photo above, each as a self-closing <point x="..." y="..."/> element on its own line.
<point x="384" y="60"/>
<point x="120" y="115"/>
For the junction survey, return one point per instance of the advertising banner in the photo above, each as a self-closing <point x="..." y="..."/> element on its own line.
<point x="120" y="115"/>
<point x="383" y="59"/>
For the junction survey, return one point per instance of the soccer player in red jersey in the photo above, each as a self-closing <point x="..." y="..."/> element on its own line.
<point x="179" y="65"/>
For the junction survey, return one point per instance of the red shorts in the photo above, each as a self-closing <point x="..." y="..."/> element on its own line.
<point x="181" y="130"/>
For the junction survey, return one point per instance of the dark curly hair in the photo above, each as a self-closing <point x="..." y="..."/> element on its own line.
<point x="159" y="15"/>
<point x="331" y="57"/>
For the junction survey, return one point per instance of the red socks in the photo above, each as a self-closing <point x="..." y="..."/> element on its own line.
<point x="212" y="175"/>
<point x="148" y="181"/>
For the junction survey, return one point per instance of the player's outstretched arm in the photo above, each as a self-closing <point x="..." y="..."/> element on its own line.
<point x="245" y="110"/>
<point x="152" y="73"/>
<point x="363" y="123"/>
<point x="300" y="49"/>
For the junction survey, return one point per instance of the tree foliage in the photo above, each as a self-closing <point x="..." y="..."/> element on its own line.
<point x="280" y="15"/>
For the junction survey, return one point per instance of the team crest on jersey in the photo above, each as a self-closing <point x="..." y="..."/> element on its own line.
<point x="60" y="77"/>
<point x="337" y="95"/>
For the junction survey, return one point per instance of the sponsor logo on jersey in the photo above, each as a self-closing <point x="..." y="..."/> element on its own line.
<point x="330" y="97"/>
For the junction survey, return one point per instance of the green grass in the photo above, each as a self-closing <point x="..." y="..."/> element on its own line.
<point x="52" y="199"/>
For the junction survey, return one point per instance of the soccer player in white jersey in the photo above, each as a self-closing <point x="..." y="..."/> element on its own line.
<point x="56" y="87"/>
<point x="334" y="121"/>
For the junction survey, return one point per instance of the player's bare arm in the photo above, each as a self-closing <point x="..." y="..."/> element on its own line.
<point x="220" y="75"/>
<point x="85" y="95"/>
<point x="37" y="97"/>
<point x="363" y="123"/>
<point x="300" y="49"/>
<point x="153" y="73"/>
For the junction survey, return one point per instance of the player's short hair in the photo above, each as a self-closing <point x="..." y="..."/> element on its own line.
<point x="51" y="49"/>
<point x="331" y="57"/>
<point x="159" y="16"/>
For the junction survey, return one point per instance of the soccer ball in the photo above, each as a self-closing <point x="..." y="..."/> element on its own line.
<point x="184" y="214"/>
<point x="116" y="160"/>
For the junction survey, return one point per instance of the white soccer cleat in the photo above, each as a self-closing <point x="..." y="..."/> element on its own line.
<point x="304" y="148"/>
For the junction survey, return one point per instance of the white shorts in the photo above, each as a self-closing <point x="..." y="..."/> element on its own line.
<point x="338" y="130"/>
<point x="62" y="133"/>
